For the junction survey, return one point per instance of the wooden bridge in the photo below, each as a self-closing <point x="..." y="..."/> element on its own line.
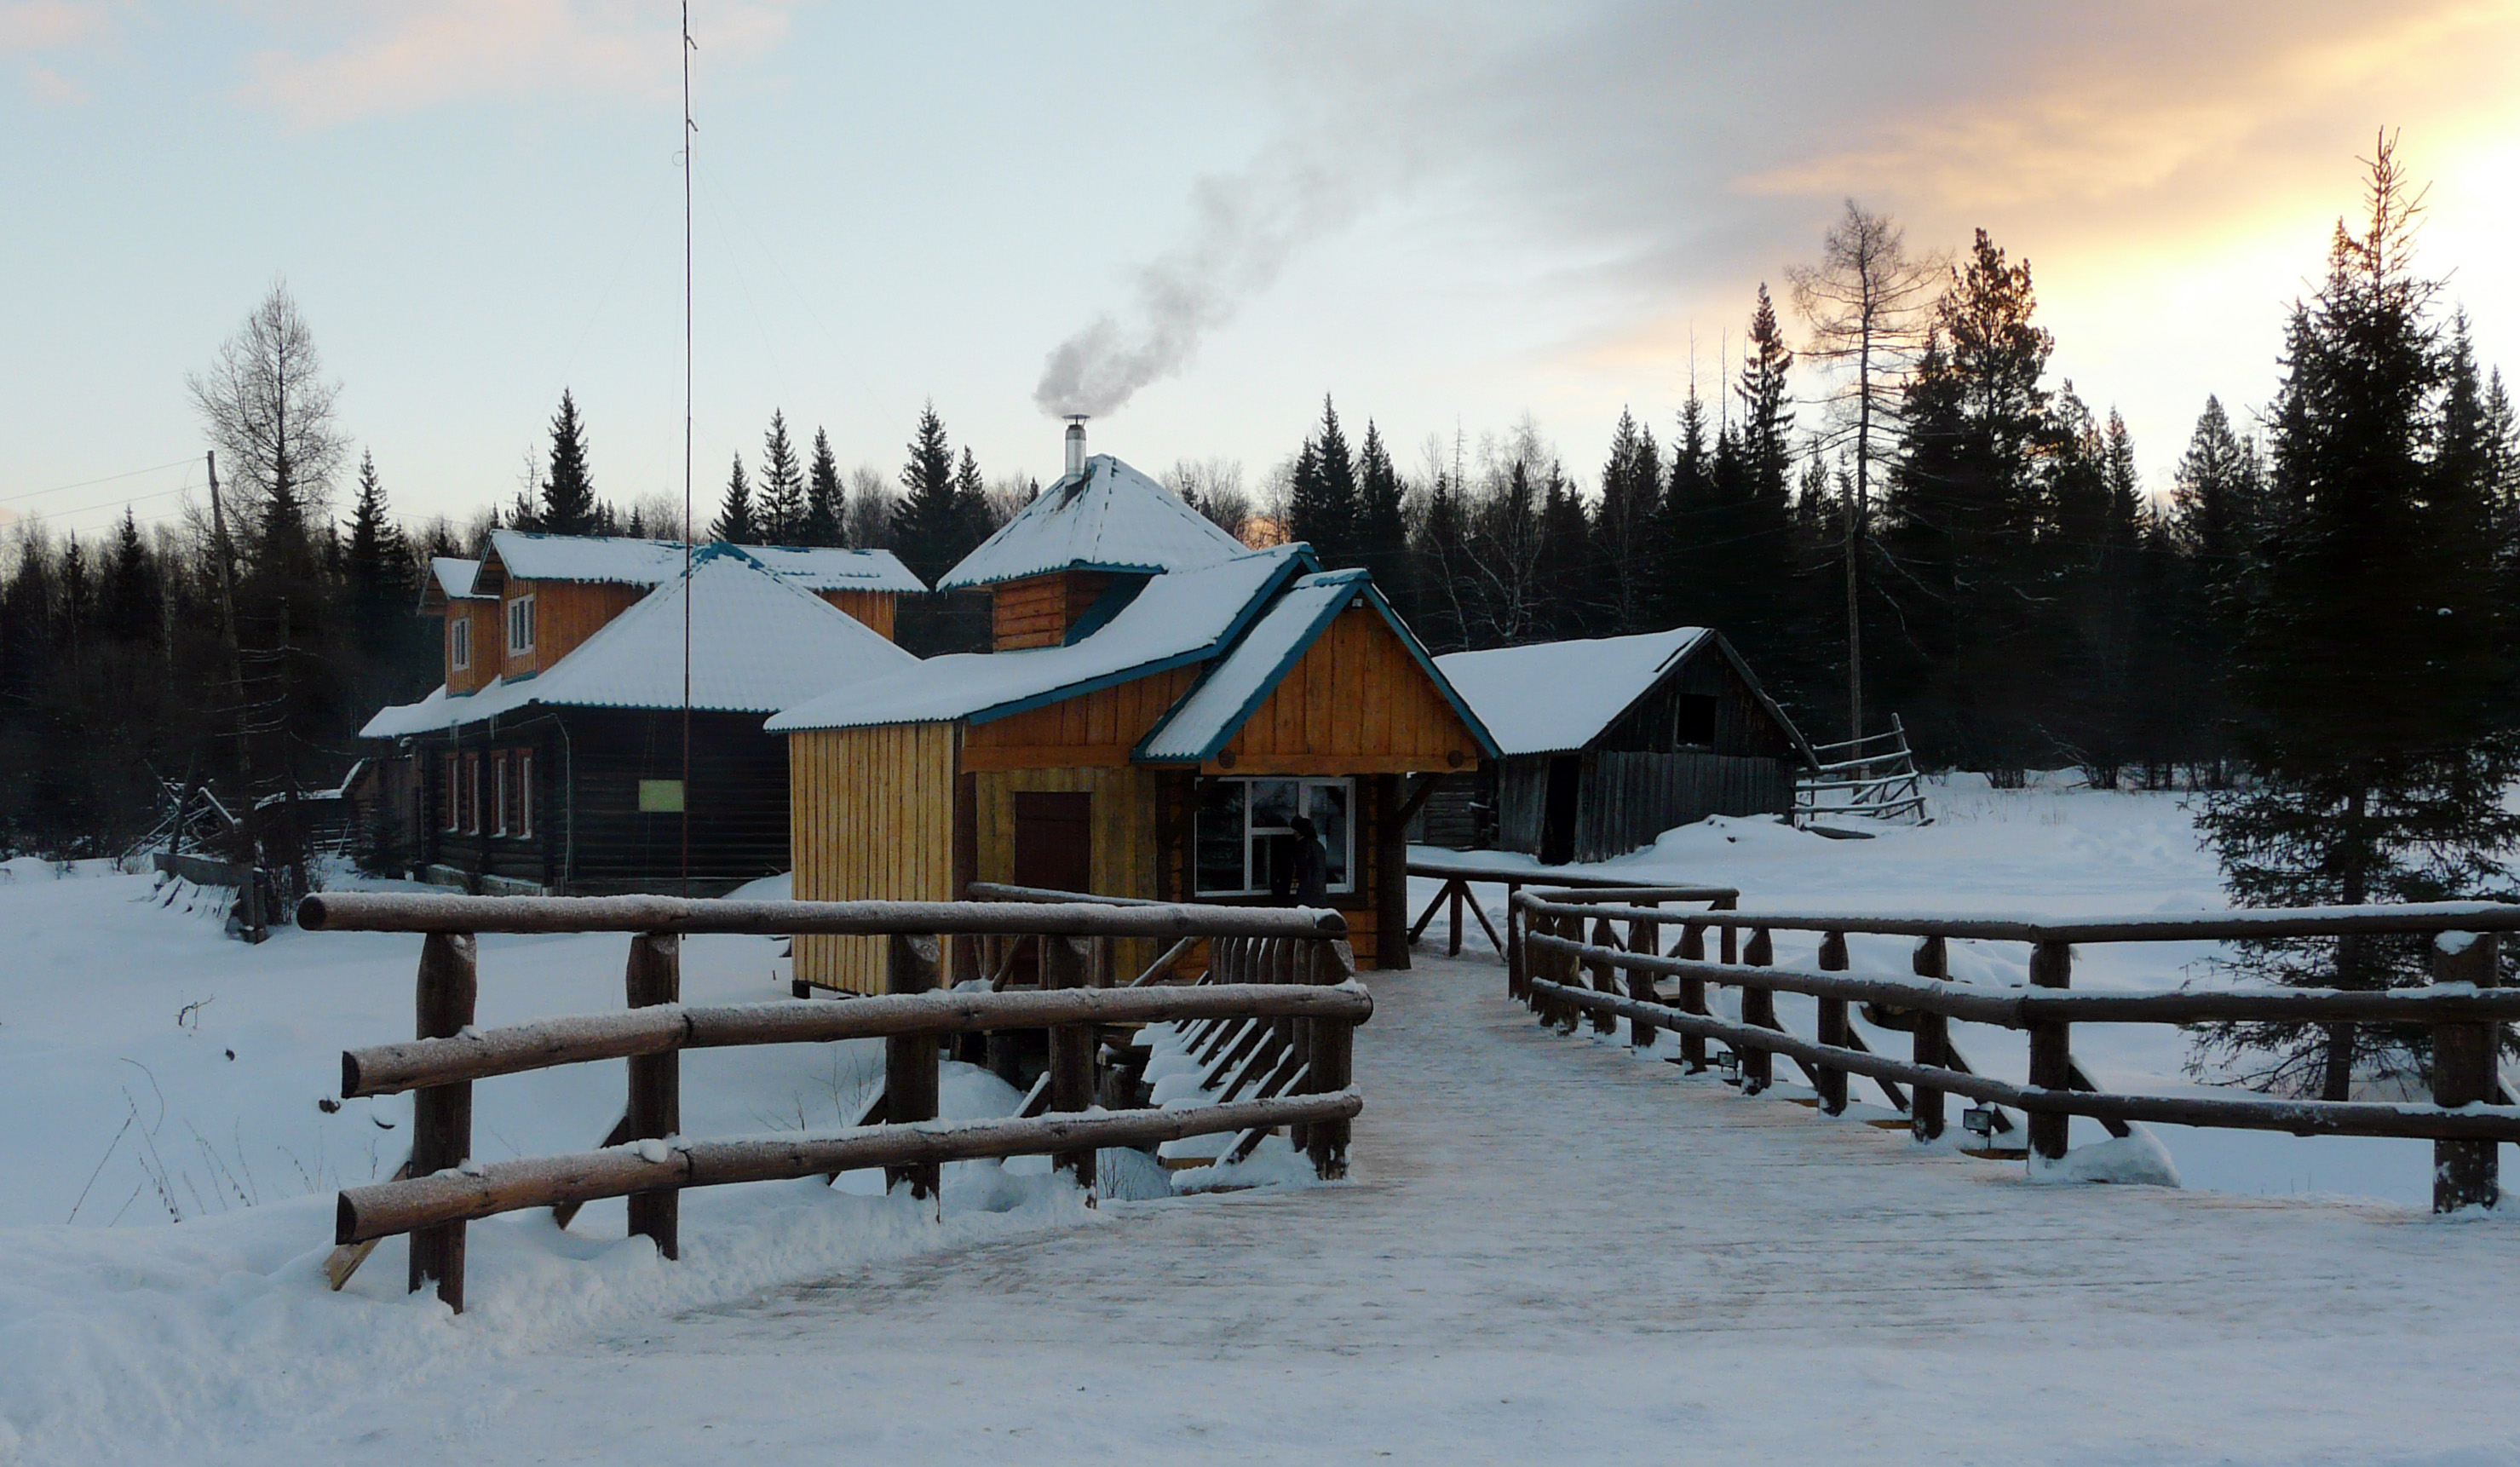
<point x="1555" y="1248"/>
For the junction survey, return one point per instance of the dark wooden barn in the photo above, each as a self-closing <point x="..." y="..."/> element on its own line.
<point x="551" y="760"/>
<point x="1609" y="742"/>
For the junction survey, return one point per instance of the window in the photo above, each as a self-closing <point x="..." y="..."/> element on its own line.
<point x="523" y="826"/>
<point x="472" y="793"/>
<point x="451" y="808"/>
<point x="1693" y="717"/>
<point x="520" y="625"/>
<point x="459" y="640"/>
<point x="499" y="793"/>
<point x="1246" y="837"/>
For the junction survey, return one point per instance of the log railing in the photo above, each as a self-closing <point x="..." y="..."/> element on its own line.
<point x="1455" y="893"/>
<point x="1574" y="971"/>
<point x="1290" y="968"/>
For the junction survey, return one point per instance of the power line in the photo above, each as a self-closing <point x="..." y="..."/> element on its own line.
<point x="130" y="474"/>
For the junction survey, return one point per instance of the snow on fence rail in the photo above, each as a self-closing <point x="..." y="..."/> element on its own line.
<point x="1457" y="876"/>
<point x="1284" y="970"/>
<point x="1549" y="963"/>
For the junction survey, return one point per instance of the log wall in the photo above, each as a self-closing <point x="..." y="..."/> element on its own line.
<point x="1037" y="612"/>
<point x="875" y="608"/>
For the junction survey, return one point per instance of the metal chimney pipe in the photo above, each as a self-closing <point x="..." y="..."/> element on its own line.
<point x="1076" y="446"/>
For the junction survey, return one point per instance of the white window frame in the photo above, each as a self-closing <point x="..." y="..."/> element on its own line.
<point x="1250" y="831"/>
<point x="520" y="620"/>
<point x="499" y="793"/>
<point x="454" y="775"/>
<point x="524" y="761"/>
<point x="472" y="794"/>
<point x="459" y="641"/>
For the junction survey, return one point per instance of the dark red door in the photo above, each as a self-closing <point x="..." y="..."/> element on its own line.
<point x="1054" y="841"/>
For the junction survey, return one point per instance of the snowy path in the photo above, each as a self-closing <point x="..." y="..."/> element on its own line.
<point x="1553" y="1252"/>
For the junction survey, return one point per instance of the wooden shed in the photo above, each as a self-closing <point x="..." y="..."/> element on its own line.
<point x="1146" y="731"/>
<point x="552" y="758"/>
<point x="1608" y="742"/>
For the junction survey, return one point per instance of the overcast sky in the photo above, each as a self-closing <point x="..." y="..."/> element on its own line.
<point x="1446" y="215"/>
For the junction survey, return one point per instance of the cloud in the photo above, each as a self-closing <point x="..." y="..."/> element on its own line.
<point x="49" y="24"/>
<point x="52" y="86"/>
<point x="383" y="58"/>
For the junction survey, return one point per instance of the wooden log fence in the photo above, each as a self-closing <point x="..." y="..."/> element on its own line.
<point x="2462" y="1007"/>
<point x="1290" y="981"/>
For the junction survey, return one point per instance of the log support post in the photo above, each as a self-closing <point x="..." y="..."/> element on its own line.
<point x="1933" y="959"/>
<point x="656" y="1108"/>
<point x="1455" y="890"/>
<point x="1330" y="1049"/>
<point x="2465" y="1058"/>
<point x="1759" y="1008"/>
<point x="1604" y="976"/>
<point x="1833" y="1028"/>
<point x="1642" y="937"/>
<point x="1064" y="964"/>
<point x="909" y="1059"/>
<point x="2052" y="1050"/>
<point x="1693" y="997"/>
<point x="442" y="1116"/>
<point x="1517" y="976"/>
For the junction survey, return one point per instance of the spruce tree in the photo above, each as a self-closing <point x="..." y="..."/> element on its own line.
<point x="132" y="598"/>
<point x="569" y="492"/>
<point x="930" y="529"/>
<point x="735" y="522"/>
<point x="1623" y="528"/>
<point x="827" y="503"/>
<point x="1323" y="510"/>
<point x="1382" y="522"/>
<point x="975" y="520"/>
<point x="779" y="513"/>
<point x="2368" y="663"/>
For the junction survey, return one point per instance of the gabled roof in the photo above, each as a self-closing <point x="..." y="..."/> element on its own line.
<point x="529" y="557"/>
<point x="1180" y="618"/>
<point x="759" y="643"/>
<point x="1111" y="517"/>
<point x="1556" y="696"/>
<point x="1206" y="721"/>
<point x="450" y="578"/>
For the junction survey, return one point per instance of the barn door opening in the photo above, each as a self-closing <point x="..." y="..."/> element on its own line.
<point x="1558" y="814"/>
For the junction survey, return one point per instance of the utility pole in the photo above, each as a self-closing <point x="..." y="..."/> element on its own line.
<point x="227" y="616"/>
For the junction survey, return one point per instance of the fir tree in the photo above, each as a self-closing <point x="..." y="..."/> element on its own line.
<point x="569" y="492"/>
<point x="827" y="504"/>
<point x="132" y="598"/>
<point x="1382" y="522"/>
<point x="1623" y="528"/>
<point x="781" y="511"/>
<point x="930" y="528"/>
<point x="2368" y="662"/>
<point x="734" y="523"/>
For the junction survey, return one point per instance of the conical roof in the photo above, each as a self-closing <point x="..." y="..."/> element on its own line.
<point x="1109" y="517"/>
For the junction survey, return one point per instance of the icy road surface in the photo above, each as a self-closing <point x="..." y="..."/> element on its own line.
<point x="1553" y="1252"/>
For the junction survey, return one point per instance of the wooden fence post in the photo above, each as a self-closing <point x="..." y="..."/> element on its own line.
<point x="1642" y="937"/>
<point x="1568" y="969"/>
<point x="1063" y="964"/>
<point x="1458" y="889"/>
<point x="2051" y="1052"/>
<point x="1832" y="1083"/>
<point x="1932" y="1036"/>
<point x="655" y="1110"/>
<point x="1604" y="977"/>
<point x="1758" y="1007"/>
<point x="1517" y="977"/>
<point x="1330" y="1068"/>
<point x="2465" y="1057"/>
<point x="442" y="1116"/>
<point x="1692" y="996"/>
<point x="909" y="1059"/>
<point x="1731" y="935"/>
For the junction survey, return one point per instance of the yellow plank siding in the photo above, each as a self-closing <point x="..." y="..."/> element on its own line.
<point x="1126" y="844"/>
<point x="872" y="820"/>
<point x="1100" y="727"/>
<point x="875" y="609"/>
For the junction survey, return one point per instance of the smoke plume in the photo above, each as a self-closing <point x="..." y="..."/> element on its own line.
<point x="1248" y="226"/>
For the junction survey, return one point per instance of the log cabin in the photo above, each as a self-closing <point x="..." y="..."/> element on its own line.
<point x="551" y="760"/>
<point x="1158" y="703"/>
<point x="1607" y="742"/>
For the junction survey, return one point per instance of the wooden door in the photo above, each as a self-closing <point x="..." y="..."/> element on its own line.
<point x="1054" y="840"/>
<point x="1557" y="812"/>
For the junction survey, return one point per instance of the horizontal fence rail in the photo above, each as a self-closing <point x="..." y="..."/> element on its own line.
<point x="1605" y="975"/>
<point x="1458" y="876"/>
<point x="1286" y="972"/>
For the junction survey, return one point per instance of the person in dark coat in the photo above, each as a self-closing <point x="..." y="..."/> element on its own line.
<point x="1309" y="865"/>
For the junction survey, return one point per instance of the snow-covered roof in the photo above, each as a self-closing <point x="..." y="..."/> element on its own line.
<point x="529" y="557"/>
<point x="759" y="643"/>
<point x="1111" y="517"/>
<point x="454" y="575"/>
<point x="1182" y="617"/>
<point x="822" y="568"/>
<point x="1557" y="696"/>
<point x="1235" y="688"/>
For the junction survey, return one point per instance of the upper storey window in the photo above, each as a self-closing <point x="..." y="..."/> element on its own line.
<point x="521" y="626"/>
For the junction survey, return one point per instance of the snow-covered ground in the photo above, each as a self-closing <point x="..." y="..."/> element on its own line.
<point x="1551" y="1248"/>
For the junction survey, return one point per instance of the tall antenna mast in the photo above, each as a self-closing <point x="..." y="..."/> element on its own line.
<point x="689" y="127"/>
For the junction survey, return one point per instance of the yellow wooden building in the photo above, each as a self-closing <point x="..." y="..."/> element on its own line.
<point x="1159" y="703"/>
